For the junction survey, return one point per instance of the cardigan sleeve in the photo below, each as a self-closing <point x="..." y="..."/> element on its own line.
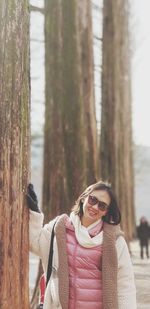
<point x="126" y="284"/>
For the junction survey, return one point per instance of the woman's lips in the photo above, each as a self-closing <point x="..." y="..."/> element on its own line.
<point x="92" y="213"/>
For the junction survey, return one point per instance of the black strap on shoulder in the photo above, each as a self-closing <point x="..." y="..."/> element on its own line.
<point x="50" y="258"/>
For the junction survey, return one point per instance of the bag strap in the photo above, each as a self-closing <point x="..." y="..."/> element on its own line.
<point x="50" y="258"/>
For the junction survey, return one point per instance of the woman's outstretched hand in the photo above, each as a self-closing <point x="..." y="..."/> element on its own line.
<point x="31" y="198"/>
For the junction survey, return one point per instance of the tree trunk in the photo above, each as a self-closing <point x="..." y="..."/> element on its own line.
<point x="14" y="153"/>
<point x="87" y="66"/>
<point x="116" y="126"/>
<point x="70" y="129"/>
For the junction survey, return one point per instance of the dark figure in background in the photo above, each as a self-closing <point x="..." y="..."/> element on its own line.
<point x="143" y="233"/>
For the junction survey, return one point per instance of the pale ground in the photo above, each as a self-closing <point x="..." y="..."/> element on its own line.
<point x="142" y="277"/>
<point x="141" y="271"/>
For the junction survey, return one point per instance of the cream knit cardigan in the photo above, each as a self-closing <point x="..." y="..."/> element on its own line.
<point x="117" y="272"/>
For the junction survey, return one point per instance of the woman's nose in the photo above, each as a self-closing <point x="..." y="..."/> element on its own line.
<point x="96" y="206"/>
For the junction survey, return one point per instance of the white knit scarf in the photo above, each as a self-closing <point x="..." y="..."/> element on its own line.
<point x="82" y="233"/>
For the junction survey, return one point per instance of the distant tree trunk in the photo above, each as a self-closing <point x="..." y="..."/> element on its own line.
<point x="116" y="127"/>
<point x="87" y="65"/>
<point x="14" y="153"/>
<point x="70" y="129"/>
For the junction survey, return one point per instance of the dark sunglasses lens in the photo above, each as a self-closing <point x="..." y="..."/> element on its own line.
<point x="92" y="200"/>
<point x="102" y="206"/>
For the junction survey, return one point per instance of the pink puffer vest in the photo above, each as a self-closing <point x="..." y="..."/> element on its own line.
<point x="85" y="275"/>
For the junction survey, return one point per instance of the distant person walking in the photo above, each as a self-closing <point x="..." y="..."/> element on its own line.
<point x="143" y="233"/>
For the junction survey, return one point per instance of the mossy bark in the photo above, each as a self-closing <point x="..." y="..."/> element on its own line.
<point x="116" y="123"/>
<point x="66" y="145"/>
<point x="14" y="153"/>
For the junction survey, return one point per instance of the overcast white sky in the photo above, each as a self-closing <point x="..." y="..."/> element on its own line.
<point x="140" y="21"/>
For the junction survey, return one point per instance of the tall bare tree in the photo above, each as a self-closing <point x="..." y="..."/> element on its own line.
<point x="14" y="153"/>
<point x="116" y="123"/>
<point x="70" y="124"/>
<point x="87" y="66"/>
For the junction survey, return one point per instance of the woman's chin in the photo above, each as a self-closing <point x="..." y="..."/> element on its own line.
<point x="92" y="217"/>
<point x="91" y="214"/>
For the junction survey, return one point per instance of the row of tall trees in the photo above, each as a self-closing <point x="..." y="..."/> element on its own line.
<point x="72" y="159"/>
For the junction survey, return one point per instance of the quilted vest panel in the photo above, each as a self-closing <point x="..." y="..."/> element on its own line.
<point x="85" y="273"/>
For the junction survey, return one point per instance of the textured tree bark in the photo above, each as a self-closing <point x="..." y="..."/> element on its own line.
<point x="87" y="66"/>
<point x="116" y="124"/>
<point x="70" y="124"/>
<point x="14" y="153"/>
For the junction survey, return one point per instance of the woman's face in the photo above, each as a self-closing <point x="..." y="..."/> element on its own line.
<point x="92" y="213"/>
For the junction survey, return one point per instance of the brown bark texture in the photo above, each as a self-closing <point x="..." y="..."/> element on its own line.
<point x="116" y="120"/>
<point x="70" y="124"/>
<point x="14" y="153"/>
<point x="84" y="16"/>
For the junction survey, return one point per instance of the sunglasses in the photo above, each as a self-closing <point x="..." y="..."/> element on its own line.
<point x="92" y="200"/>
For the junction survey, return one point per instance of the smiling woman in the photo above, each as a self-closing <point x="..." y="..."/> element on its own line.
<point x="95" y="207"/>
<point x="91" y="263"/>
<point x="100" y="201"/>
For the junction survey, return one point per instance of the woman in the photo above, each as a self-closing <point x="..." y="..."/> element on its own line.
<point x="91" y="263"/>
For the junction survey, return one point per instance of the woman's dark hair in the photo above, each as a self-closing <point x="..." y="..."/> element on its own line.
<point x="113" y="215"/>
